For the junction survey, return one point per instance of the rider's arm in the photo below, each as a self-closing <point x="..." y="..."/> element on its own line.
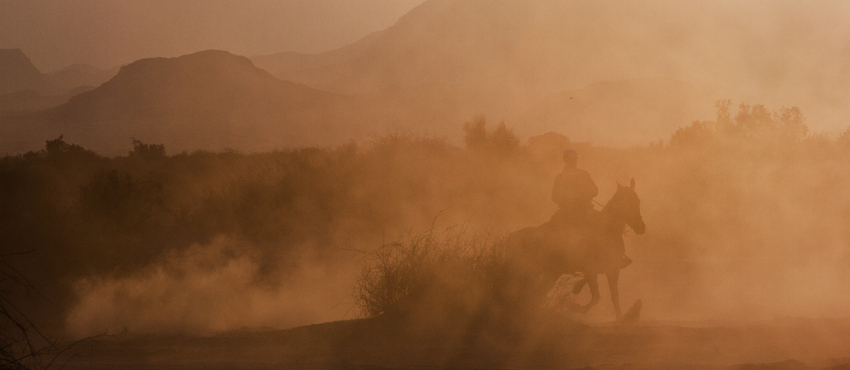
<point x="589" y="186"/>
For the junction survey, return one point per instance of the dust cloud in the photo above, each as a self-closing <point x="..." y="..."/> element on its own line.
<point x="455" y="118"/>
<point x="745" y="217"/>
<point x="108" y="34"/>
<point x="504" y="58"/>
<point x="208" y="289"/>
<point x="749" y="214"/>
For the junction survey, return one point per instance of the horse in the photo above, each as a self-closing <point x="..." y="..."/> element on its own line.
<point x="540" y="255"/>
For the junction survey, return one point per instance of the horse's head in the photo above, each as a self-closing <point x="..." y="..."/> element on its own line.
<point x="625" y="205"/>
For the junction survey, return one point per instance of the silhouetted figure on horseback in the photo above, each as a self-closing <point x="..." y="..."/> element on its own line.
<point x="576" y="218"/>
<point x="573" y="193"/>
<point x="577" y="240"/>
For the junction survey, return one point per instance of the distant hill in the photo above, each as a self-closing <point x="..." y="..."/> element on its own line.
<point x="499" y="57"/>
<point x="207" y="100"/>
<point x="24" y="89"/>
<point x="214" y="100"/>
<point x="550" y="46"/>
<point x="447" y="61"/>
<point x="462" y="44"/>
<point x="25" y="102"/>
<point x="17" y="73"/>
<point x="76" y="77"/>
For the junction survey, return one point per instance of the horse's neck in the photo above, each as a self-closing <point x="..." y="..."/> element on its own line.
<point x="612" y="220"/>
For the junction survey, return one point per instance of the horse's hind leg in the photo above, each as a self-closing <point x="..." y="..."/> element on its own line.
<point x="613" y="278"/>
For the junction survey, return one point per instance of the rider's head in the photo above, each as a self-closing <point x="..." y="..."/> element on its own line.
<point x="570" y="158"/>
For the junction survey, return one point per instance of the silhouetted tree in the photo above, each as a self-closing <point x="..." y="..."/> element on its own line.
<point x="500" y="141"/>
<point x="752" y="124"/>
<point x="59" y="148"/>
<point x="147" y="151"/>
<point x="843" y="140"/>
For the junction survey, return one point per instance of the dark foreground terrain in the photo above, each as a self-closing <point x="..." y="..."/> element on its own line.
<point x="547" y="343"/>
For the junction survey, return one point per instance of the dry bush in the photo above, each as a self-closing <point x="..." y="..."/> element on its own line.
<point x="449" y="272"/>
<point x="22" y="344"/>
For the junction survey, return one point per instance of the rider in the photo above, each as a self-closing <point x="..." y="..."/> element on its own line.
<point x="573" y="192"/>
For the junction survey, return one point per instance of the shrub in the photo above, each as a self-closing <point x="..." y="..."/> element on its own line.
<point x="22" y="345"/>
<point x="449" y="272"/>
<point x="147" y="151"/>
<point x="500" y="142"/>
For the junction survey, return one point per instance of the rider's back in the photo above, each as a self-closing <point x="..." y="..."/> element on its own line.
<point x="574" y="189"/>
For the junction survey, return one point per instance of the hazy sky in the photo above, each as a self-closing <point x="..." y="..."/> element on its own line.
<point x="108" y="33"/>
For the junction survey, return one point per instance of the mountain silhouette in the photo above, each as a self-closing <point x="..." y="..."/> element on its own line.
<point x="500" y="57"/>
<point x="24" y="89"/>
<point x="75" y="78"/>
<point x="460" y="43"/>
<point x="25" y="102"/>
<point x="447" y="61"/>
<point x="214" y="100"/>
<point x="551" y="46"/>
<point x="207" y="100"/>
<point x="17" y="73"/>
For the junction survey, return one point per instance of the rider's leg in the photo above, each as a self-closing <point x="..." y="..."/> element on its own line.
<point x="621" y="249"/>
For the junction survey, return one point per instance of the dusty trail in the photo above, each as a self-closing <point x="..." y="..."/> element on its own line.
<point x="554" y="344"/>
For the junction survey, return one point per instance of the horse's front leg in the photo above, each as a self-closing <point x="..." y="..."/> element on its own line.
<point x="613" y="278"/>
<point x="593" y="284"/>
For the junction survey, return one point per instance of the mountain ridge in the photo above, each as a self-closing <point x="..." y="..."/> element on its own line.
<point x="505" y="56"/>
<point x="206" y="100"/>
<point x="18" y="73"/>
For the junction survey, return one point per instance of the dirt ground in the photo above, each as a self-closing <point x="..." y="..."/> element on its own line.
<point x="549" y="343"/>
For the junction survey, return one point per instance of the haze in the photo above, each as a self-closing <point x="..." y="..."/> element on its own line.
<point x="106" y="34"/>
<point x="218" y="168"/>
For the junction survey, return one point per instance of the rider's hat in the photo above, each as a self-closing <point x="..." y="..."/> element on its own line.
<point x="569" y="153"/>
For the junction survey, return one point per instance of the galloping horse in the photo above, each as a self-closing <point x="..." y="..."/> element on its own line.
<point x="540" y="255"/>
